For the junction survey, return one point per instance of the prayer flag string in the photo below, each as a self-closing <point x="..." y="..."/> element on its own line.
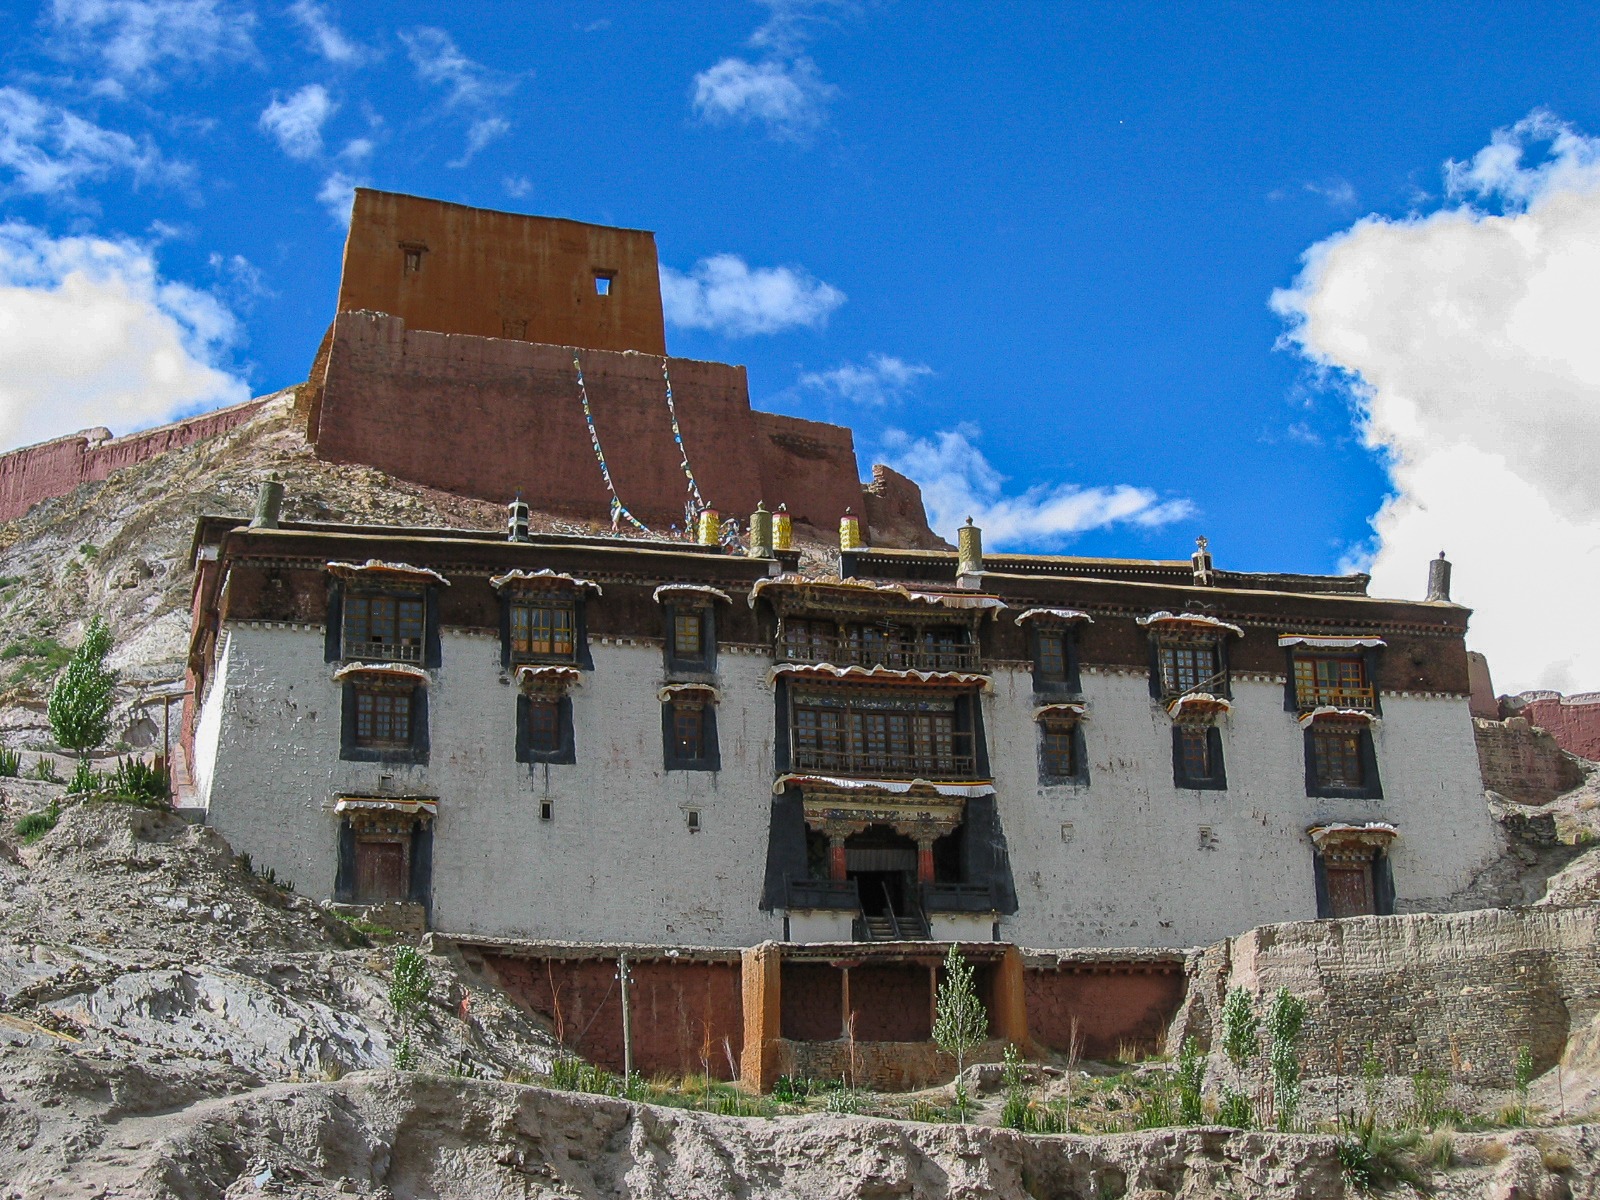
<point x="618" y="509"/>
<point x="677" y="437"/>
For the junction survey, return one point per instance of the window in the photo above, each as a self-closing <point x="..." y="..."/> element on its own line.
<point x="1335" y="682"/>
<point x="544" y="728"/>
<point x="691" y="639"/>
<point x="1051" y="661"/>
<point x="1197" y="757"/>
<point x="1061" y="757"/>
<point x="383" y="718"/>
<point x="543" y="631"/>
<point x="916" y="738"/>
<point x="546" y="810"/>
<point x="383" y="627"/>
<point x="691" y="817"/>
<point x="1340" y="761"/>
<point x="412" y="258"/>
<point x="689" y="728"/>
<point x="687" y="631"/>
<point x="1055" y="657"/>
<point x="808" y="641"/>
<point x="1188" y="668"/>
<point x="602" y="283"/>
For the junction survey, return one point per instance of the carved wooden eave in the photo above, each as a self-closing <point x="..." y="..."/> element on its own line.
<point x="1197" y="708"/>
<point x="396" y="672"/>
<point x="888" y="787"/>
<point x="923" y="818"/>
<point x="702" y="693"/>
<point x="1067" y="711"/>
<point x="692" y="593"/>
<point x="380" y="573"/>
<point x="1188" y="623"/>
<point x="547" y="681"/>
<point x="1308" y="641"/>
<point x="386" y="814"/>
<point x="828" y="672"/>
<point x="542" y="580"/>
<point x="1338" y="835"/>
<point x="797" y="594"/>
<point x="1327" y="714"/>
<point x="1054" y="616"/>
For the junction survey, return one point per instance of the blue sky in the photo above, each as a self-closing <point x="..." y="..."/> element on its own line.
<point x="1027" y="251"/>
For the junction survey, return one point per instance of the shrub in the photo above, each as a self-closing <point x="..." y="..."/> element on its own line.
<point x="1191" y="1076"/>
<point x="409" y="984"/>
<point x="85" y="780"/>
<point x="1236" y="1110"/>
<point x="45" y="769"/>
<point x="136" y="781"/>
<point x="1240" y="1028"/>
<point x="10" y="763"/>
<point x="790" y="1090"/>
<point x="35" y="825"/>
<point x="1286" y="1016"/>
<point x="1378" y="1158"/>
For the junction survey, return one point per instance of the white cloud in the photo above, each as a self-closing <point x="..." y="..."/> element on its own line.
<point x="337" y="194"/>
<point x="356" y="150"/>
<point x="1466" y="338"/>
<point x="132" y="38"/>
<point x="297" y="122"/>
<point x="1339" y="193"/>
<point x="788" y="25"/>
<point x="50" y="151"/>
<point x="723" y="293"/>
<point x="90" y="334"/>
<point x="958" y="481"/>
<point x="517" y="186"/>
<point x="882" y="379"/>
<point x="789" y="98"/>
<point x="439" y="61"/>
<point x="325" y="36"/>
<point x="483" y="131"/>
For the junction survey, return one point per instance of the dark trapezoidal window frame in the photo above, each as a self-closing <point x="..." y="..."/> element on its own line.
<point x="1070" y="729"/>
<point x="695" y="612"/>
<point x="1209" y="736"/>
<point x="512" y="599"/>
<point x="352" y="747"/>
<point x="341" y="593"/>
<point x="1068" y="681"/>
<point x="564" y="747"/>
<point x="710" y="758"/>
<point x="1370" y="786"/>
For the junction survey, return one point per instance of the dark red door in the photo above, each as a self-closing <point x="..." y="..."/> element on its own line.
<point x="381" y="871"/>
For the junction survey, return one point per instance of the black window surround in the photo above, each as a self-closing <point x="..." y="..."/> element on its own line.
<point x="1370" y="786"/>
<point x="1382" y="884"/>
<point x="565" y="750"/>
<point x="1049" y="774"/>
<point x="1048" y="682"/>
<point x="1216" y="776"/>
<point x="1167" y="683"/>
<point x="1371" y="657"/>
<point x="421" y="864"/>
<point x="415" y="753"/>
<point x="710" y="758"/>
<point x="429" y="654"/>
<point x="686" y="661"/>
<point x="576" y="601"/>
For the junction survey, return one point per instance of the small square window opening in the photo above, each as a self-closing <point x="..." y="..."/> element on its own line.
<point x="602" y="283"/>
<point x="692" y="819"/>
<point x="546" y="810"/>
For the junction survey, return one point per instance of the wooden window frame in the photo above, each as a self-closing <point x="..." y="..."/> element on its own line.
<point x="709" y="758"/>
<point x="521" y="610"/>
<point x="1365" y="699"/>
<point x="1069" y="728"/>
<point x="704" y="663"/>
<point x="565" y="749"/>
<point x="338" y="647"/>
<point x="1215" y="777"/>
<point x="413" y="750"/>
<point x="1046" y="682"/>
<point x="1370" y="787"/>
<point x="1217" y="683"/>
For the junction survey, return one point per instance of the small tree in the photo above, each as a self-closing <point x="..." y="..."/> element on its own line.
<point x="1240" y="1028"/>
<point x="409" y="985"/>
<point x="1285" y="1017"/>
<point x="960" y="1021"/>
<point x="80" y="702"/>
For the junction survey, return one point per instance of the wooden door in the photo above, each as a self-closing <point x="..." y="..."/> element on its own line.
<point x="382" y="870"/>
<point x="1350" y="892"/>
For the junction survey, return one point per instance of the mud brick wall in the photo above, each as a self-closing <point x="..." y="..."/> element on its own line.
<point x="1114" y="1006"/>
<point x="1523" y="763"/>
<point x="1459" y="993"/>
<point x="1573" y="721"/>
<point x="54" y="468"/>
<point x="682" y="1010"/>
<point x="487" y="417"/>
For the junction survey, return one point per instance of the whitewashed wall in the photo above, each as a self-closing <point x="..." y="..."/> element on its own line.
<point x="1133" y="872"/>
<point x="617" y="860"/>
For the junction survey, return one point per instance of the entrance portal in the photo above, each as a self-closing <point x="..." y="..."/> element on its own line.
<point x="884" y="865"/>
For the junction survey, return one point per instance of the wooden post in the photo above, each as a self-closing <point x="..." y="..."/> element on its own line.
<point x="844" y="1029"/>
<point x="627" y="1017"/>
<point x="924" y="860"/>
<point x="838" y="864"/>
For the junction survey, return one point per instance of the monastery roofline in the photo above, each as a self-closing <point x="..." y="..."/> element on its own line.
<point x="500" y="212"/>
<point x="1441" y="606"/>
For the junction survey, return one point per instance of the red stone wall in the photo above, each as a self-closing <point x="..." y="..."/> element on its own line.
<point x="682" y="1010"/>
<point x="54" y="468"/>
<point x="484" y="417"/>
<point x="1574" y="721"/>
<point x="1113" y="1005"/>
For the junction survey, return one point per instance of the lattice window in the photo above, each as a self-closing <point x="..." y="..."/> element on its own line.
<point x="1194" y="749"/>
<point x="1051" y="666"/>
<point x="1337" y="759"/>
<point x="544" y="726"/>
<point x="383" y="717"/>
<point x="688" y="634"/>
<point x="1188" y="668"/>
<point x="383" y="627"/>
<point x="543" y="630"/>
<point x="1058" y="748"/>
<point x="1336" y="682"/>
<point x="688" y="731"/>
